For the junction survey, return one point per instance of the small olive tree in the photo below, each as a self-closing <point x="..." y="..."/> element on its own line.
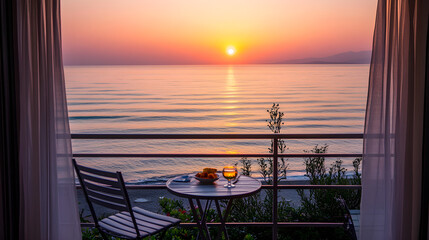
<point x="274" y="123"/>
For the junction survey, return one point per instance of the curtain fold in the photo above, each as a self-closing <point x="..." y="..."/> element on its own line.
<point x="391" y="174"/>
<point x="48" y="206"/>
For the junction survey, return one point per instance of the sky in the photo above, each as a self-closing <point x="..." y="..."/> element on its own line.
<point x="133" y="32"/>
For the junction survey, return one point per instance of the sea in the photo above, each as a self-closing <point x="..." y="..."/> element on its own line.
<point x="199" y="99"/>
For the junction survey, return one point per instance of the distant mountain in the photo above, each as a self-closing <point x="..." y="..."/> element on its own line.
<point x="362" y="57"/>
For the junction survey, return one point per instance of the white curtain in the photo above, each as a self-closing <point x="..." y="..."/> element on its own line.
<point x="391" y="175"/>
<point x="48" y="204"/>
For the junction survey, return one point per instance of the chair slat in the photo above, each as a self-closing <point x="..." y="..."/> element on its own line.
<point x="154" y="215"/>
<point x="111" y="205"/>
<point x="130" y="225"/>
<point x="141" y="223"/>
<point x="100" y="180"/>
<point x="117" y="231"/>
<point x="106" y="197"/>
<point x="120" y="225"/>
<point x="98" y="172"/>
<point x="105" y="189"/>
<point x="148" y="219"/>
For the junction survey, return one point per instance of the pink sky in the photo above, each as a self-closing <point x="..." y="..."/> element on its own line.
<point x="199" y="31"/>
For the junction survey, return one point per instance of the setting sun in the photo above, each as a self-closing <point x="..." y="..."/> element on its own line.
<point x="230" y="51"/>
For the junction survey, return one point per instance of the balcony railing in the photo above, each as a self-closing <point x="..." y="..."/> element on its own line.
<point x="275" y="155"/>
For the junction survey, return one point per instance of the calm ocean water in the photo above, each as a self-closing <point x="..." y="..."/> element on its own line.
<point x="211" y="99"/>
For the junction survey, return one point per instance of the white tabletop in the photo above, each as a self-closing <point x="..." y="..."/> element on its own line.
<point x="245" y="186"/>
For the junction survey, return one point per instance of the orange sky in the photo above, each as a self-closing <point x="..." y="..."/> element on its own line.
<point x="199" y="31"/>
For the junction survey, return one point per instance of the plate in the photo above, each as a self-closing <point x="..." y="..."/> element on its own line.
<point x="207" y="180"/>
<point x="184" y="178"/>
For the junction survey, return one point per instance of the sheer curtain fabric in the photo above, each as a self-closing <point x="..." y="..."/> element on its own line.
<point x="48" y="197"/>
<point x="391" y="175"/>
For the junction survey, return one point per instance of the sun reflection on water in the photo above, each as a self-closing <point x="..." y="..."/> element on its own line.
<point x="232" y="152"/>
<point x="231" y="92"/>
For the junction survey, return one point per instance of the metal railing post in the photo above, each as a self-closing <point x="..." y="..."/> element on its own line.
<point x="275" y="187"/>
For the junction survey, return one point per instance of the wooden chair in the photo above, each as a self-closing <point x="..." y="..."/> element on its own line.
<point x="348" y="221"/>
<point x="108" y="190"/>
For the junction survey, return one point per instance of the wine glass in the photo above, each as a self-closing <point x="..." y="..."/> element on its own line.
<point x="229" y="173"/>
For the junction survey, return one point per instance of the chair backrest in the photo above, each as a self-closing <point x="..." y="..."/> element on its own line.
<point x="106" y="189"/>
<point x="348" y="221"/>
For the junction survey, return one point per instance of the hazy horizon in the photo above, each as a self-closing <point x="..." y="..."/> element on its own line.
<point x="202" y="64"/>
<point x="199" y="32"/>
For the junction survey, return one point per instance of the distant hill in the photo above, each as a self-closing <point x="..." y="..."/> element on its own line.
<point x="362" y="57"/>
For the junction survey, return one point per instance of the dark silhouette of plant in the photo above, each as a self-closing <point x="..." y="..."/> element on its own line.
<point x="274" y="123"/>
<point x="321" y="204"/>
<point x="266" y="164"/>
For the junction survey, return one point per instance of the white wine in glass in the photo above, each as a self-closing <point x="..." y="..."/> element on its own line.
<point x="229" y="173"/>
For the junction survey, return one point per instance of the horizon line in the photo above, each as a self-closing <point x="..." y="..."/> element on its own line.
<point x="319" y="60"/>
<point x="211" y="64"/>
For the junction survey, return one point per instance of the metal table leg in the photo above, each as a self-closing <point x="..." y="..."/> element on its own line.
<point x="197" y="219"/>
<point x="201" y="220"/>
<point x="224" y="217"/>
<point x="203" y="214"/>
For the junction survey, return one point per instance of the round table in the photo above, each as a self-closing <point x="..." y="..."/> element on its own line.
<point x="194" y="190"/>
